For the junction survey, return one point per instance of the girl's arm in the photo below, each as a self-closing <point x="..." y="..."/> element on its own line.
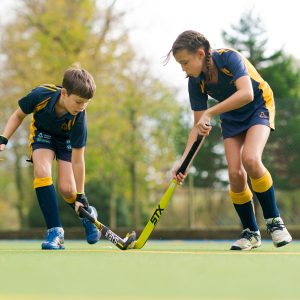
<point x="241" y="97"/>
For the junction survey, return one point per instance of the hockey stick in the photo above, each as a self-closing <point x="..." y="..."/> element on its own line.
<point x="144" y="236"/>
<point x="122" y="244"/>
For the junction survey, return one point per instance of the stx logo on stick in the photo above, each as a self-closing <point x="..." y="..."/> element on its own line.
<point x="158" y="212"/>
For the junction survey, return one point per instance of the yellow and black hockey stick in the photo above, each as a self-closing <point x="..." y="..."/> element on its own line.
<point x="122" y="244"/>
<point x="144" y="236"/>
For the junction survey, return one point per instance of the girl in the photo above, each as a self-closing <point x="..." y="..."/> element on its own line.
<point x="246" y="108"/>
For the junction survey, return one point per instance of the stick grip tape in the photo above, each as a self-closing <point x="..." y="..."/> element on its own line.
<point x="190" y="155"/>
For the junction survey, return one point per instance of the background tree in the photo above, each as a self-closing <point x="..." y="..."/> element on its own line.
<point x="250" y="37"/>
<point x="37" y="46"/>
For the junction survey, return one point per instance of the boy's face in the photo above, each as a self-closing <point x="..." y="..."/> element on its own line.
<point x="74" y="104"/>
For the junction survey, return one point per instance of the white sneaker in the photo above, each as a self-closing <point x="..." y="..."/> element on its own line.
<point x="247" y="241"/>
<point x="278" y="232"/>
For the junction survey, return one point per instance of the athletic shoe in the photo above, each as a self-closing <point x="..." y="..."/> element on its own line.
<point x="55" y="239"/>
<point x="278" y="232"/>
<point x="247" y="241"/>
<point x="92" y="233"/>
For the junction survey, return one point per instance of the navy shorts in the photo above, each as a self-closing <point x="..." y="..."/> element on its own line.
<point x="232" y="128"/>
<point x="61" y="147"/>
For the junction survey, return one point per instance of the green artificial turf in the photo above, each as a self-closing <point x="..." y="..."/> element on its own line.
<point x="161" y="270"/>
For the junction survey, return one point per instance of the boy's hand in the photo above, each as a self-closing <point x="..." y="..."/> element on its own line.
<point x="81" y="200"/>
<point x="3" y="142"/>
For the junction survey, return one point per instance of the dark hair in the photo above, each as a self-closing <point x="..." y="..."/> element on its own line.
<point x="79" y="82"/>
<point x="191" y="41"/>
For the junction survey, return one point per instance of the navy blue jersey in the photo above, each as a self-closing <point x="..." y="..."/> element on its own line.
<point x="41" y="102"/>
<point x="231" y="65"/>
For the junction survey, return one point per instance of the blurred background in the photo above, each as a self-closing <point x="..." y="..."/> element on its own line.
<point x="140" y="117"/>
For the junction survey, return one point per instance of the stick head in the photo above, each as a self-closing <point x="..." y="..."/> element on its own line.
<point x="129" y="240"/>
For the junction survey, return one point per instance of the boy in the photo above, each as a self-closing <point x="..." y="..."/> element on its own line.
<point x="58" y="130"/>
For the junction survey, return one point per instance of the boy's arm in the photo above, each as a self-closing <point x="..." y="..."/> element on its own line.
<point x="78" y="165"/>
<point x="12" y="124"/>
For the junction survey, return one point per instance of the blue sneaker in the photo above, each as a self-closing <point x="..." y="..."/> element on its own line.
<point x="92" y="233"/>
<point x="55" y="239"/>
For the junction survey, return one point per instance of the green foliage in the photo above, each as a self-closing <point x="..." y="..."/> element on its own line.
<point x="250" y="38"/>
<point x="35" y="217"/>
<point x="98" y="194"/>
<point x="131" y="118"/>
<point x="282" y="154"/>
<point x="136" y="127"/>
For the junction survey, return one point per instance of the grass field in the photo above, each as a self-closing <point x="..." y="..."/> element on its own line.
<point x="161" y="270"/>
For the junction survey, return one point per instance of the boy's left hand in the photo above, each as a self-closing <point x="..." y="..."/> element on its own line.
<point x="81" y="200"/>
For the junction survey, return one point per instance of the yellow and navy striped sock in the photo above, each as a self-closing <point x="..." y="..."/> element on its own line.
<point x="264" y="190"/>
<point x="46" y="195"/>
<point x="244" y="207"/>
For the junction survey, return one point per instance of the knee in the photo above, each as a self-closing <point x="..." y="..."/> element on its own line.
<point x="42" y="171"/>
<point x="67" y="191"/>
<point x="251" y="163"/>
<point x="236" y="175"/>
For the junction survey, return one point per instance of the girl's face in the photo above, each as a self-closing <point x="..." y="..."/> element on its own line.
<point x="191" y="63"/>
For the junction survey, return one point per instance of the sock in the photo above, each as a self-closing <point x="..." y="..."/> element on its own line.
<point x="46" y="195"/>
<point x="264" y="190"/>
<point x="244" y="207"/>
<point x="71" y="201"/>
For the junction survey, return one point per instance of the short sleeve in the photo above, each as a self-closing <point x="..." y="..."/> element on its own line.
<point x="235" y="64"/>
<point x="78" y="136"/>
<point x="28" y="103"/>
<point x="198" y="99"/>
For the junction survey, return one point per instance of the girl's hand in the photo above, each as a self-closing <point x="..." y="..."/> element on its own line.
<point x="179" y="177"/>
<point x="203" y="124"/>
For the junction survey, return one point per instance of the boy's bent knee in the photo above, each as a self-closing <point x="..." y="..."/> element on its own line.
<point x="68" y="192"/>
<point x="70" y="198"/>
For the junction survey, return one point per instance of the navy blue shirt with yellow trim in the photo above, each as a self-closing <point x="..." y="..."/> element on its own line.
<point x="41" y="103"/>
<point x="231" y="65"/>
